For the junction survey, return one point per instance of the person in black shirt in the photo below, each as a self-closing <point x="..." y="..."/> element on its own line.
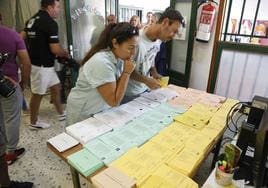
<point x="41" y="34"/>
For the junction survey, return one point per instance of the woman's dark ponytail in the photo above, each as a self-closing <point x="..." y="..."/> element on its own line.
<point x="119" y="31"/>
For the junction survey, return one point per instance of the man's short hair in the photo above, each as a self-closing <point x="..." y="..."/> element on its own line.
<point x="46" y="3"/>
<point x="172" y="15"/>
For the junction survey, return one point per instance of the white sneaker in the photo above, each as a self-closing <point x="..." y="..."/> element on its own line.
<point x="62" y="117"/>
<point x="39" y="125"/>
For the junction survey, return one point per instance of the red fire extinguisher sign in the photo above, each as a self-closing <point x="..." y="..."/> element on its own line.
<point x="206" y="22"/>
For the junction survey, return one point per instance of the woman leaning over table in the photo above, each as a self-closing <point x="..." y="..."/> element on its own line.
<point x="104" y="74"/>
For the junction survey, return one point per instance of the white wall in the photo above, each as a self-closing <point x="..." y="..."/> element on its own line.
<point x="202" y="54"/>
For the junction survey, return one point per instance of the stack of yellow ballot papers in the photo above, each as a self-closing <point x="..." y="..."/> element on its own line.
<point x="179" y="131"/>
<point x="157" y="151"/>
<point x="85" y="162"/>
<point x="199" y="107"/>
<point x="199" y="142"/>
<point x="165" y="177"/>
<point x="190" y="121"/>
<point x="186" y="161"/>
<point x="171" y="143"/>
<point x="164" y="81"/>
<point x="141" y="158"/>
<point x="218" y="121"/>
<point x="131" y="168"/>
<point x="211" y="133"/>
<point x="197" y="116"/>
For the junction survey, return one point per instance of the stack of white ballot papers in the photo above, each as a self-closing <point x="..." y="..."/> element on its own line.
<point x="134" y="108"/>
<point x="160" y="95"/>
<point x="114" y="117"/>
<point x="147" y="102"/>
<point x="88" y="129"/>
<point x="157" y="97"/>
<point x="63" y="142"/>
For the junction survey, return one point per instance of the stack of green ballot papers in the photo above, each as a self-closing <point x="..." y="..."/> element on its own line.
<point x="104" y="152"/>
<point x="85" y="162"/>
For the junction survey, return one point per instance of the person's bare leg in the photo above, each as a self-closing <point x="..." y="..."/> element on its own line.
<point x="55" y="96"/>
<point x="34" y="107"/>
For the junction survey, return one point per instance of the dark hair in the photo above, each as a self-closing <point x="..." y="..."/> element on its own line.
<point x="119" y="31"/>
<point x="46" y="3"/>
<point x="172" y="15"/>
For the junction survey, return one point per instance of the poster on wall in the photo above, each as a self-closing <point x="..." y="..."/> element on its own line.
<point x="261" y="29"/>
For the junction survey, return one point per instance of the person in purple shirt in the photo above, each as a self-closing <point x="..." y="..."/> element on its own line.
<point x="10" y="107"/>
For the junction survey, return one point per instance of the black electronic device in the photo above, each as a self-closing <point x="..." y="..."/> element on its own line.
<point x="253" y="140"/>
<point x="7" y="88"/>
<point x="259" y="166"/>
<point x="258" y="106"/>
<point x="69" y="62"/>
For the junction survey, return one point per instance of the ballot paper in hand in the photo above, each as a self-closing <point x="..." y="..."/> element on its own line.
<point x="164" y="81"/>
<point x="63" y="142"/>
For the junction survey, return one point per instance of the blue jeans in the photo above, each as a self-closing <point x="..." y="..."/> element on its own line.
<point x="10" y="112"/>
<point x="24" y="104"/>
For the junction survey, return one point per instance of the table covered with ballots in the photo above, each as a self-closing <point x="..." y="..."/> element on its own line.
<point x="157" y="140"/>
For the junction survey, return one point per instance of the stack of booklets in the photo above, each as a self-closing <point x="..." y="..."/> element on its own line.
<point x="115" y="117"/>
<point x="186" y="161"/>
<point x="115" y="140"/>
<point x="63" y="142"/>
<point x="167" y="92"/>
<point x="164" y="176"/>
<point x="102" y="151"/>
<point x="179" y="90"/>
<point x="134" y="138"/>
<point x="112" y="178"/>
<point x="87" y="130"/>
<point x="154" y="96"/>
<point x="134" y="108"/>
<point x="147" y="102"/>
<point x="131" y="168"/>
<point x="85" y="162"/>
<point x="167" y="109"/>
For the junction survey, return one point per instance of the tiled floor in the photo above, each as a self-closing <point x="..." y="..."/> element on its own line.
<point x="45" y="169"/>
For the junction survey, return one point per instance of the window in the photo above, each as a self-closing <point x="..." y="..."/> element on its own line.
<point x="246" y="21"/>
<point x="126" y="12"/>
